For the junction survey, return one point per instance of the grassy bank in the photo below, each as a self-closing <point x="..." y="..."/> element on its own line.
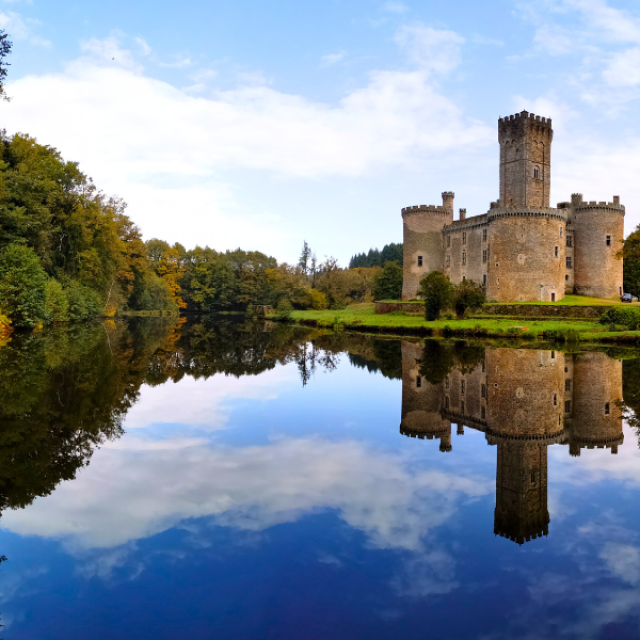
<point x="361" y="317"/>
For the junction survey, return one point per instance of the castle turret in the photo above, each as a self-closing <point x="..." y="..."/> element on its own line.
<point x="423" y="245"/>
<point x="599" y="232"/>
<point x="525" y="160"/>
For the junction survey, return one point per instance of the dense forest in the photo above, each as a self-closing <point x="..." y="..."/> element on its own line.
<point x="68" y="252"/>
<point x="375" y="258"/>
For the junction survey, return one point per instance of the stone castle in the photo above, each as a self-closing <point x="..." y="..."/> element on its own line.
<point x="521" y="249"/>
<point x="523" y="400"/>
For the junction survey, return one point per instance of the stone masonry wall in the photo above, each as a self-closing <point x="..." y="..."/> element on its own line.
<point x="598" y="272"/>
<point x="527" y="259"/>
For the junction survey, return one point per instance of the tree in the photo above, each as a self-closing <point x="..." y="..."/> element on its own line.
<point x="305" y="258"/>
<point x="23" y="285"/>
<point x="388" y="283"/>
<point x="437" y="292"/>
<point x="631" y="265"/>
<point x="468" y="295"/>
<point x="5" y="50"/>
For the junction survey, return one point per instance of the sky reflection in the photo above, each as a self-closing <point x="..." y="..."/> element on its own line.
<point x="252" y="506"/>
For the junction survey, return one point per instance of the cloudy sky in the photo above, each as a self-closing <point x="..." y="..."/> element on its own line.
<point x="263" y="124"/>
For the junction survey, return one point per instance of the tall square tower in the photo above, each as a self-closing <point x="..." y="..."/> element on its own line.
<point x="525" y="160"/>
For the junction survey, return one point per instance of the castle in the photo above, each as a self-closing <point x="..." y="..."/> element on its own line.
<point x="523" y="400"/>
<point x="521" y="249"/>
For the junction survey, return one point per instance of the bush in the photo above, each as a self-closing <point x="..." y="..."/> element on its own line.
<point x="627" y="316"/>
<point x="23" y="285"/>
<point x="56" y="306"/>
<point x="84" y="303"/>
<point x="468" y="295"/>
<point x="284" y="310"/>
<point x="317" y="299"/>
<point x="437" y="292"/>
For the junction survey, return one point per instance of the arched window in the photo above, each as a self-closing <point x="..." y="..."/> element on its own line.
<point x="536" y="173"/>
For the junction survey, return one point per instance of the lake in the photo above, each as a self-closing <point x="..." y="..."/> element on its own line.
<point x="216" y="479"/>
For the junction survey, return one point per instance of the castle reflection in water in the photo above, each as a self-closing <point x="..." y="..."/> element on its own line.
<point x="523" y="401"/>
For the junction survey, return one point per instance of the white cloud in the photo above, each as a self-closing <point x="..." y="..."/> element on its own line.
<point x="332" y="58"/>
<point x="21" y="29"/>
<point x="623" y="69"/>
<point x="169" y="152"/>
<point x="395" y="7"/>
<point x="126" y="495"/>
<point x="437" y="51"/>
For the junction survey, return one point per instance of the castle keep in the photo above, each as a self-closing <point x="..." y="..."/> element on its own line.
<point x="521" y="249"/>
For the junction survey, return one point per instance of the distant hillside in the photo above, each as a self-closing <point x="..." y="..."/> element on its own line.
<point x="376" y="258"/>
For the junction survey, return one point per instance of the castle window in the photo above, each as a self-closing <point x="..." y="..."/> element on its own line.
<point x="484" y="255"/>
<point x="446" y="383"/>
<point x="559" y="420"/>
<point x="555" y="400"/>
<point x="497" y="280"/>
<point x="448" y="261"/>
<point x="484" y="280"/>
<point x="561" y="232"/>
<point x="484" y="367"/>
<point x="464" y="278"/>
<point x="606" y="409"/>
<point x="484" y="235"/>
<point x="419" y="261"/>
<point x="462" y="408"/>
<point x="483" y="413"/>
<point x="566" y="277"/>
<point x="553" y="297"/>
<point x="608" y="241"/>
<point x="555" y="251"/>
<point x="553" y="353"/>
<point x="464" y="237"/>
<point x="448" y="241"/>
<point x="536" y="173"/>
<point x="464" y="257"/>
<point x="567" y="406"/>
<point x="446" y="402"/>
<point x="462" y="387"/>
<point x="569" y="241"/>
<point x="483" y="391"/>
<point x="569" y="262"/>
<point x="567" y="385"/>
<point x="418" y="381"/>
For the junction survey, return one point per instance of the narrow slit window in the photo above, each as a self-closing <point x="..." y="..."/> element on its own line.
<point x="464" y="237"/>
<point x="555" y="400"/>
<point x="484" y="235"/>
<point x="464" y="257"/>
<point x="553" y="354"/>
<point x="462" y="387"/>
<point x="446" y="402"/>
<point x="419" y="261"/>
<point x="484" y="279"/>
<point x="483" y="391"/>
<point x="569" y="241"/>
<point x="533" y="477"/>
<point x="606" y="409"/>
<point x="555" y="251"/>
<point x="448" y="241"/>
<point x="536" y="173"/>
<point x="462" y="408"/>
<point x="483" y="413"/>
<point x="561" y="232"/>
<point x="608" y="241"/>
<point x="418" y="381"/>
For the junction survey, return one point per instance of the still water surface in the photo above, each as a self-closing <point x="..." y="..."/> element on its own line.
<point x="218" y="480"/>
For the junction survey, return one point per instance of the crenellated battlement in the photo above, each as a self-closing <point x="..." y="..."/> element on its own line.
<point x="523" y="212"/>
<point x="523" y="121"/>
<point x="426" y="208"/>
<point x="579" y="204"/>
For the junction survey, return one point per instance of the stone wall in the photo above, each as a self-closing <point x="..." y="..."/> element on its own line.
<point x="527" y="259"/>
<point x="423" y="242"/>
<point x="525" y="160"/>
<point x="542" y="311"/>
<point x="464" y="246"/>
<point x="598" y="270"/>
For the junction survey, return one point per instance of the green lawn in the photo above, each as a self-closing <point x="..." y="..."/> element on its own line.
<point x="567" y="301"/>
<point x="362" y="315"/>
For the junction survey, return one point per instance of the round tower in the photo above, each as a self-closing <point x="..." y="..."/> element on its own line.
<point x="599" y="232"/>
<point x="423" y="245"/>
<point x="597" y="422"/>
<point x="526" y="254"/>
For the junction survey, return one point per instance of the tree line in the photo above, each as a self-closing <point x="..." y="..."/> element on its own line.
<point x="375" y="258"/>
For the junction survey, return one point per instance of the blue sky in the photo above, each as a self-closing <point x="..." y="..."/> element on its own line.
<point x="265" y="124"/>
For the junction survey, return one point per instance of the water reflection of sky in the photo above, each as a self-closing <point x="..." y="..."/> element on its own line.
<point x="252" y="507"/>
